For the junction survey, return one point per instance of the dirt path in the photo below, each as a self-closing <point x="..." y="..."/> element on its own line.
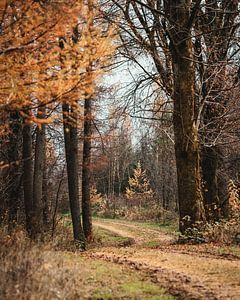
<point x="186" y="273"/>
<point x="134" y="231"/>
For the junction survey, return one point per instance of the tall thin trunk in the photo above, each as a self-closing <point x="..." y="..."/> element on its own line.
<point x="86" y="170"/>
<point x="184" y="117"/>
<point x="38" y="176"/>
<point x="209" y="154"/>
<point x="45" y="201"/>
<point x="86" y="164"/>
<point x="71" y="150"/>
<point x="27" y="175"/>
<point x="209" y="163"/>
<point x="14" y="172"/>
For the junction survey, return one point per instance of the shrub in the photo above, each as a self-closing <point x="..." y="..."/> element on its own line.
<point x="19" y="263"/>
<point x="139" y="192"/>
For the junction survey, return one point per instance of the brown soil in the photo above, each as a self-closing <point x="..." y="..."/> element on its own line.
<point x="188" y="272"/>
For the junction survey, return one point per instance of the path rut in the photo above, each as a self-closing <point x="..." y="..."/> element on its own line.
<point x="186" y="275"/>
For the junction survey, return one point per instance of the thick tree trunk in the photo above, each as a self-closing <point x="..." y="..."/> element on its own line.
<point x="86" y="170"/>
<point x="14" y="172"/>
<point x="71" y="150"/>
<point x="184" y="117"/>
<point x="28" y="176"/>
<point x="38" y="176"/>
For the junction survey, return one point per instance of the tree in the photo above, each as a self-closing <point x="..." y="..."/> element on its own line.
<point x="164" y="31"/>
<point x="71" y="150"/>
<point x="217" y="26"/>
<point x="156" y="154"/>
<point x="87" y="135"/>
<point x="185" y="116"/>
<point x="28" y="175"/>
<point x="139" y="191"/>
<point x="14" y="170"/>
<point x="40" y="155"/>
<point x="86" y="169"/>
<point x="31" y="32"/>
<point x="169" y="34"/>
<point x="28" y="40"/>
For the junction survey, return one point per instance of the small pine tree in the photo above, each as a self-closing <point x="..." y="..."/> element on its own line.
<point x="233" y="199"/>
<point x="95" y="197"/>
<point x="139" y="190"/>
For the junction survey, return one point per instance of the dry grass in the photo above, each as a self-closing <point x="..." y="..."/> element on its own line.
<point x="20" y="261"/>
<point x="37" y="271"/>
<point x="225" y="231"/>
<point x="153" y="213"/>
<point x="34" y="270"/>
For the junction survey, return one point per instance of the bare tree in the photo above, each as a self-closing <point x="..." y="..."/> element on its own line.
<point x="186" y="41"/>
<point x="216" y="32"/>
<point x="163" y="30"/>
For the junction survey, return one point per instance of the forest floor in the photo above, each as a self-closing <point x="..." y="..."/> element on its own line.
<point x="127" y="260"/>
<point x="206" y="271"/>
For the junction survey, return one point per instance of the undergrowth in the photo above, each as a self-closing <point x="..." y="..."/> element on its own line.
<point x="154" y="213"/>
<point x="26" y="272"/>
<point x="226" y="231"/>
<point x="20" y="261"/>
<point x="36" y="271"/>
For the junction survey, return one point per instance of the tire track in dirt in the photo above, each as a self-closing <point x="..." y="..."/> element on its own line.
<point x="185" y="275"/>
<point x="179" y="285"/>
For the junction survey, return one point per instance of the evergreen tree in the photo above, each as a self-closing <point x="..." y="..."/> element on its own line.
<point x="139" y="191"/>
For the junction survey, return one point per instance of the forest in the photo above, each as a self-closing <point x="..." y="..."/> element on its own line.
<point x="119" y="149"/>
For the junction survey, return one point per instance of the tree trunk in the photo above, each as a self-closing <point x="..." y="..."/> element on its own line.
<point x="86" y="164"/>
<point x="45" y="200"/>
<point x="86" y="170"/>
<point x="28" y="176"/>
<point x="14" y="169"/>
<point x="209" y="154"/>
<point x="38" y="176"/>
<point x="209" y="162"/>
<point x="184" y="117"/>
<point x="218" y="26"/>
<point x="71" y="150"/>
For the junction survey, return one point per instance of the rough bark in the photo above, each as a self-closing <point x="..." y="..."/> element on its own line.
<point x="38" y="176"/>
<point x="209" y="154"/>
<point x="71" y="150"/>
<point x="217" y="26"/>
<point x="28" y="175"/>
<point x="184" y="116"/>
<point x="86" y="164"/>
<point x="209" y="164"/>
<point x="14" y="170"/>
<point x="45" y="201"/>
<point x="86" y="170"/>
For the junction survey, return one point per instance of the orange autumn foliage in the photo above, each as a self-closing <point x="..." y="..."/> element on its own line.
<point x="34" y="70"/>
